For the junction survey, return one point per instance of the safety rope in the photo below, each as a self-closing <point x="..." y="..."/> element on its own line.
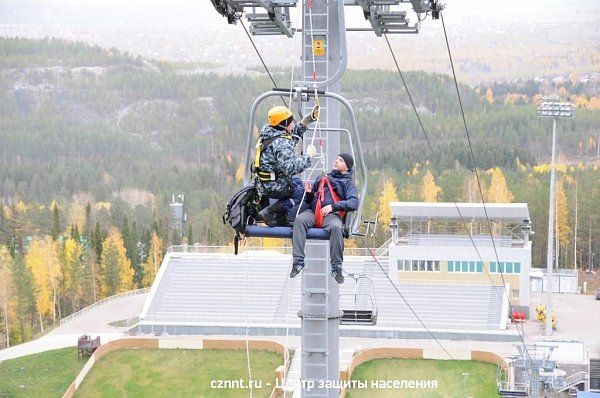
<point x="286" y="352"/>
<point x="314" y="70"/>
<point x="248" y="327"/>
<point x="317" y="103"/>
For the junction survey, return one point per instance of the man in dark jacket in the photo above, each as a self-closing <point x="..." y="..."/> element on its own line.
<point x="323" y="201"/>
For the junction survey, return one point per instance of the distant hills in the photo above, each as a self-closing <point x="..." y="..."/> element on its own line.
<point x="81" y="120"/>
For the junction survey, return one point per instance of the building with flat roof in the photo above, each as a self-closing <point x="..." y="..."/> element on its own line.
<point x="451" y="244"/>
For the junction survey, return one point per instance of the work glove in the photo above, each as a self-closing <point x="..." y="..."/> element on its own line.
<point x="311" y="117"/>
<point x="311" y="151"/>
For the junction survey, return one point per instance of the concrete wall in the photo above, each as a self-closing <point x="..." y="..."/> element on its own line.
<point x="178" y="343"/>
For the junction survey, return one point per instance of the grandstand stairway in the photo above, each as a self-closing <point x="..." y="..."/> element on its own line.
<point x="595" y="374"/>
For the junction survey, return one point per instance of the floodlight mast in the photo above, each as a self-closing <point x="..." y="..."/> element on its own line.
<point x="324" y="60"/>
<point x="554" y="108"/>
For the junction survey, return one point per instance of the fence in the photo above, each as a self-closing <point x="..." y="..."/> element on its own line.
<point x="348" y="251"/>
<point x="104" y="300"/>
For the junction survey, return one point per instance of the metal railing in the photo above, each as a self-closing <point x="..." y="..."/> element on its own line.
<point x="415" y="239"/>
<point x="348" y="251"/>
<point x="100" y="302"/>
<point x="574" y="380"/>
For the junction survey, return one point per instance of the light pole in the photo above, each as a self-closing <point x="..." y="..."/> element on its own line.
<point x="552" y="107"/>
<point x="464" y="384"/>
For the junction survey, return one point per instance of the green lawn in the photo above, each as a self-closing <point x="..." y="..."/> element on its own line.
<point x="177" y="373"/>
<point x="47" y="374"/>
<point x="481" y="381"/>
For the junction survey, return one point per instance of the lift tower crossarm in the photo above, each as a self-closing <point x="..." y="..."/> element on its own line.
<point x="275" y="20"/>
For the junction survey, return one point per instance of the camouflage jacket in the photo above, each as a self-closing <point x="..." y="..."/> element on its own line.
<point x="280" y="158"/>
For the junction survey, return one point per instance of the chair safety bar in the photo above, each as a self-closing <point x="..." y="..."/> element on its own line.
<point x="283" y="232"/>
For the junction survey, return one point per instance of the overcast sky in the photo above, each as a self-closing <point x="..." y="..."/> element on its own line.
<point x="193" y="30"/>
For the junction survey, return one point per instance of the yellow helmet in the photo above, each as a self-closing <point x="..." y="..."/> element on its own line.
<point x="279" y="114"/>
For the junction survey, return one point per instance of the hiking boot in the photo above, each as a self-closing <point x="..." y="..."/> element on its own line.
<point x="336" y="272"/>
<point x="297" y="268"/>
<point x="271" y="215"/>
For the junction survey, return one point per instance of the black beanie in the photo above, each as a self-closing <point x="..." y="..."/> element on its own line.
<point x="348" y="159"/>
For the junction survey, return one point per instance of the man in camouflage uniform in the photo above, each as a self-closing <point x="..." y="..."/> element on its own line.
<point x="276" y="163"/>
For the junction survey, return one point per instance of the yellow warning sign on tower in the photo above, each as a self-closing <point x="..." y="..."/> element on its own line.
<point x="318" y="48"/>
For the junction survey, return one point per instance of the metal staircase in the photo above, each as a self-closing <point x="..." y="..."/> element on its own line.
<point x="595" y="375"/>
<point x="573" y="381"/>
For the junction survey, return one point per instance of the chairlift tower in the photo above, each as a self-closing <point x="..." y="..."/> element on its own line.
<point x="324" y="60"/>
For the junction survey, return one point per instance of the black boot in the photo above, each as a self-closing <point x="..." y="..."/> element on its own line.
<point x="271" y="215"/>
<point x="297" y="268"/>
<point x="336" y="272"/>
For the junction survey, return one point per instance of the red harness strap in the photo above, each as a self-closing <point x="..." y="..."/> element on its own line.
<point x="321" y="199"/>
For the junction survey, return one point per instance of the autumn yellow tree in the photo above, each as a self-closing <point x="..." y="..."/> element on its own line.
<point x="430" y="192"/>
<point x="71" y="272"/>
<point x="591" y="144"/>
<point x="498" y="191"/>
<point x="239" y="173"/>
<point x="563" y="229"/>
<point x="388" y="194"/>
<point x="36" y="261"/>
<point x="116" y="272"/>
<point x="152" y="264"/>
<point x="76" y="216"/>
<point x="52" y="263"/>
<point x="471" y="193"/>
<point x="272" y="243"/>
<point x="489" y="95"/>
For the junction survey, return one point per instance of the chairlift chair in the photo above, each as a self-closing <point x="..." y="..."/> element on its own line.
<point x="353" y="220"/>
<point x="359" y="308"/>
<point x="506" y="381"/>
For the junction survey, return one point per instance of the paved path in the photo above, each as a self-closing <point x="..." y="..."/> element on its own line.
<point x="95" y="323"/>
<point x="578" y="317"/>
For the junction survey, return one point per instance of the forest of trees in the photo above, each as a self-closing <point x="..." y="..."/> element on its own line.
<point x="45" y="277"/>
<point x="94" y="143"/>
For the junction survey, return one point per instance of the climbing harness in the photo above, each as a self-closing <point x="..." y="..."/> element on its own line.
<point x="261" y="146"/>
<point x="321" y="199"/>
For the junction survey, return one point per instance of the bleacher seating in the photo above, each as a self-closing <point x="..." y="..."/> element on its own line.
<point x="201" y="289"/>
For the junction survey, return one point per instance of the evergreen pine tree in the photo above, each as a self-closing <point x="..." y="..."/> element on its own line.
<point x="55" y="222"/>
<point x="24" y="294"/>
<point x="132" y="254"/>
<point x="88" y="221"/>
<point x="3" y="224"/>
<point x="190" y="235"/>
<point x="98" y="239"/>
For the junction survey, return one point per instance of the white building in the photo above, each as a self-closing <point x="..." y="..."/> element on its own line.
<point x="450" y="243"/>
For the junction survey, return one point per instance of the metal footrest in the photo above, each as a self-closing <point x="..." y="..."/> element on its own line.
<point x="311" y="351"/>
<point x="358" y="317"/>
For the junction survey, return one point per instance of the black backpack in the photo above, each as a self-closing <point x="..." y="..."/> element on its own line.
<point x="241" y="210"/>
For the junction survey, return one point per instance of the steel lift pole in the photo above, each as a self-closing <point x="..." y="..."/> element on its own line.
<point x="320" y="304"/>
<point x="324" y="60"/>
